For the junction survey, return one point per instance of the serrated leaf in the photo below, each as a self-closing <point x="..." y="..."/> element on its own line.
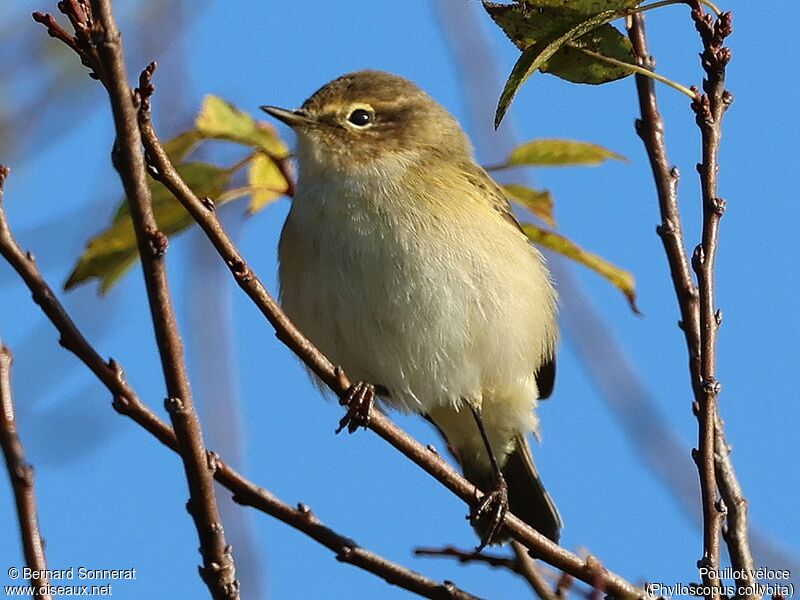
<point x="221" y="120"/>
<point x="535" y="56"/>
<point x="539" y="202"/>
<point x="619" y="277"/>
<point x="266" y="181"/>
<point x="109" y="255"/>
<point x="559" y="153"/>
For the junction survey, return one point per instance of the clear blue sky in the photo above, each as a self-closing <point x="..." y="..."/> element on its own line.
<point x="112" y="497"/>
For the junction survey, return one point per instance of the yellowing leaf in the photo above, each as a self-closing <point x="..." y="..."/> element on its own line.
<point x="110" y="254"/>
<point x="266" y="182"/>
<point x="619" y="277"/>
<point x="182" y="145"/>
<point x="223" y="121"/>
<point x="539" y="202"/>
<point x="559" y="153"/>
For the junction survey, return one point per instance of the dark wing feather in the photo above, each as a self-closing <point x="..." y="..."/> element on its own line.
<point x="546" y="378"/>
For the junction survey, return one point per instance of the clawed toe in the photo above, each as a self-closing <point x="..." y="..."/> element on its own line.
<point x="358" y="399"/>
<point x="490" y="514"/>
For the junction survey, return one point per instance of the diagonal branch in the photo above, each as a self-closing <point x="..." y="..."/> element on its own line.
<point x="21" y="475"/>
<point x="202" y="210"/>
<point x="126" y="402"/>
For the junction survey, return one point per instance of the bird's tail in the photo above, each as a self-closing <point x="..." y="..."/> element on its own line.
<point x="527" y="497"/>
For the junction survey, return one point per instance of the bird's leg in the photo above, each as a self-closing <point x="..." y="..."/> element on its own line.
<point x="494" y="505"/>
<point x="358" y="399"/>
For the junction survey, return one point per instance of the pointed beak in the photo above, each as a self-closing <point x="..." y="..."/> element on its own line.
<point x="293" y="118"/>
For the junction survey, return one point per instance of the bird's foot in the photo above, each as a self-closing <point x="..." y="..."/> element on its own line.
<point x="490" y="513"/>
<point x="358" y="399"/>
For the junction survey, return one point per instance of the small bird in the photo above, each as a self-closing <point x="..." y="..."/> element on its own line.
<point x="402" y="262"/>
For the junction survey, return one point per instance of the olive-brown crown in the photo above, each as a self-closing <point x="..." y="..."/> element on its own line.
<point x="366" y="114"/>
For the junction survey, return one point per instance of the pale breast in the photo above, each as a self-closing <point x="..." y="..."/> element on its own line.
<point x="434" y="302"/>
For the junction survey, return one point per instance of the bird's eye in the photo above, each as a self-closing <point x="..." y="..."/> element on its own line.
<point x="361" y="117"/>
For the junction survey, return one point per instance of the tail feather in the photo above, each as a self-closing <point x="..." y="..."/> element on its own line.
<point x="527" y="497"/>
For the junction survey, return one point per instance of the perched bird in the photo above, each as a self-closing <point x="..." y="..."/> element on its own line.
<point x="402" y="262"/>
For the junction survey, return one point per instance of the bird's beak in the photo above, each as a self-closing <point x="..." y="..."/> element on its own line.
<point x="293" y="118"/>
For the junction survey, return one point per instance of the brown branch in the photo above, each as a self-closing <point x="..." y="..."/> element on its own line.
<point x="522" y="564"/>
<point x="530" y="571"/>
<point x="710" y="108"/>
<point x="650" y="128"/>
<point x="96" y="24"/>
<point x="126" y="402"/>
<point x="699" y="319"/>
<point x="470" y="556"/>
<point x="21" y="473"/>
<point x="202" y="210"/>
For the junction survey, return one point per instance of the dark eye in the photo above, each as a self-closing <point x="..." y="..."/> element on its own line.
<point x="361" y="117"/>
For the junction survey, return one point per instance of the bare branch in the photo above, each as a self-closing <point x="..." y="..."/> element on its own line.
<point x="710" y="108"/>
<point x="469" y="556"/>
<point x="700" y="319"/>
<point x="530" y="571"/>
<point x="126" y="402"/>
<point x="21" y="473"/>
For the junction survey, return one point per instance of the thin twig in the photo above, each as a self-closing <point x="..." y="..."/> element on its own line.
<point x="650" y="128"/>
<point x="529" y="570"/>
<point x="21" y="475"/>
<point x="105" y="57"/>
<point x="699" y="319"/>
<point x="469" y="556"/>
<point x="126" y="402"/>
<point x="522" y="564"/>
<point x="203" y="212"/>
<point x="710" y="108"/>
<point x="644" y="72"/>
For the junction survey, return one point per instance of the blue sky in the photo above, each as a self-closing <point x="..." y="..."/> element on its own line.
<point x="111" y="497"/>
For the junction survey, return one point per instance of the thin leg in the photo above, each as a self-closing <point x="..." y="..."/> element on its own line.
<point x="492" y="459"/>
<point x="494" y="505"/>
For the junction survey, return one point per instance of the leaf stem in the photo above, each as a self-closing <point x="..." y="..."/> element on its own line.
<point x="637" y="69"/>
<point x="640" y="9"/>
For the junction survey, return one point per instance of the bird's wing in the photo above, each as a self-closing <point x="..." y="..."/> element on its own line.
<point x="480" y="178"/>
<point x="546" y="373"/>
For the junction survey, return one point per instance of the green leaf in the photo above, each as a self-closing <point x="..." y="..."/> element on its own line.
<point x="581" y="7"/>
<point x="222" y="121"/>
<point x="182" y="145"/>
<point x="110" y="254"/>
<point x="559" y="153"/>
<point x="266" y="181"/>
<point x="539" y="202"/>
<point x="538" y="54"/>
<point x="572" y="63"/>
<point x="619" y="277"/>
<point x="204" y="179"/>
